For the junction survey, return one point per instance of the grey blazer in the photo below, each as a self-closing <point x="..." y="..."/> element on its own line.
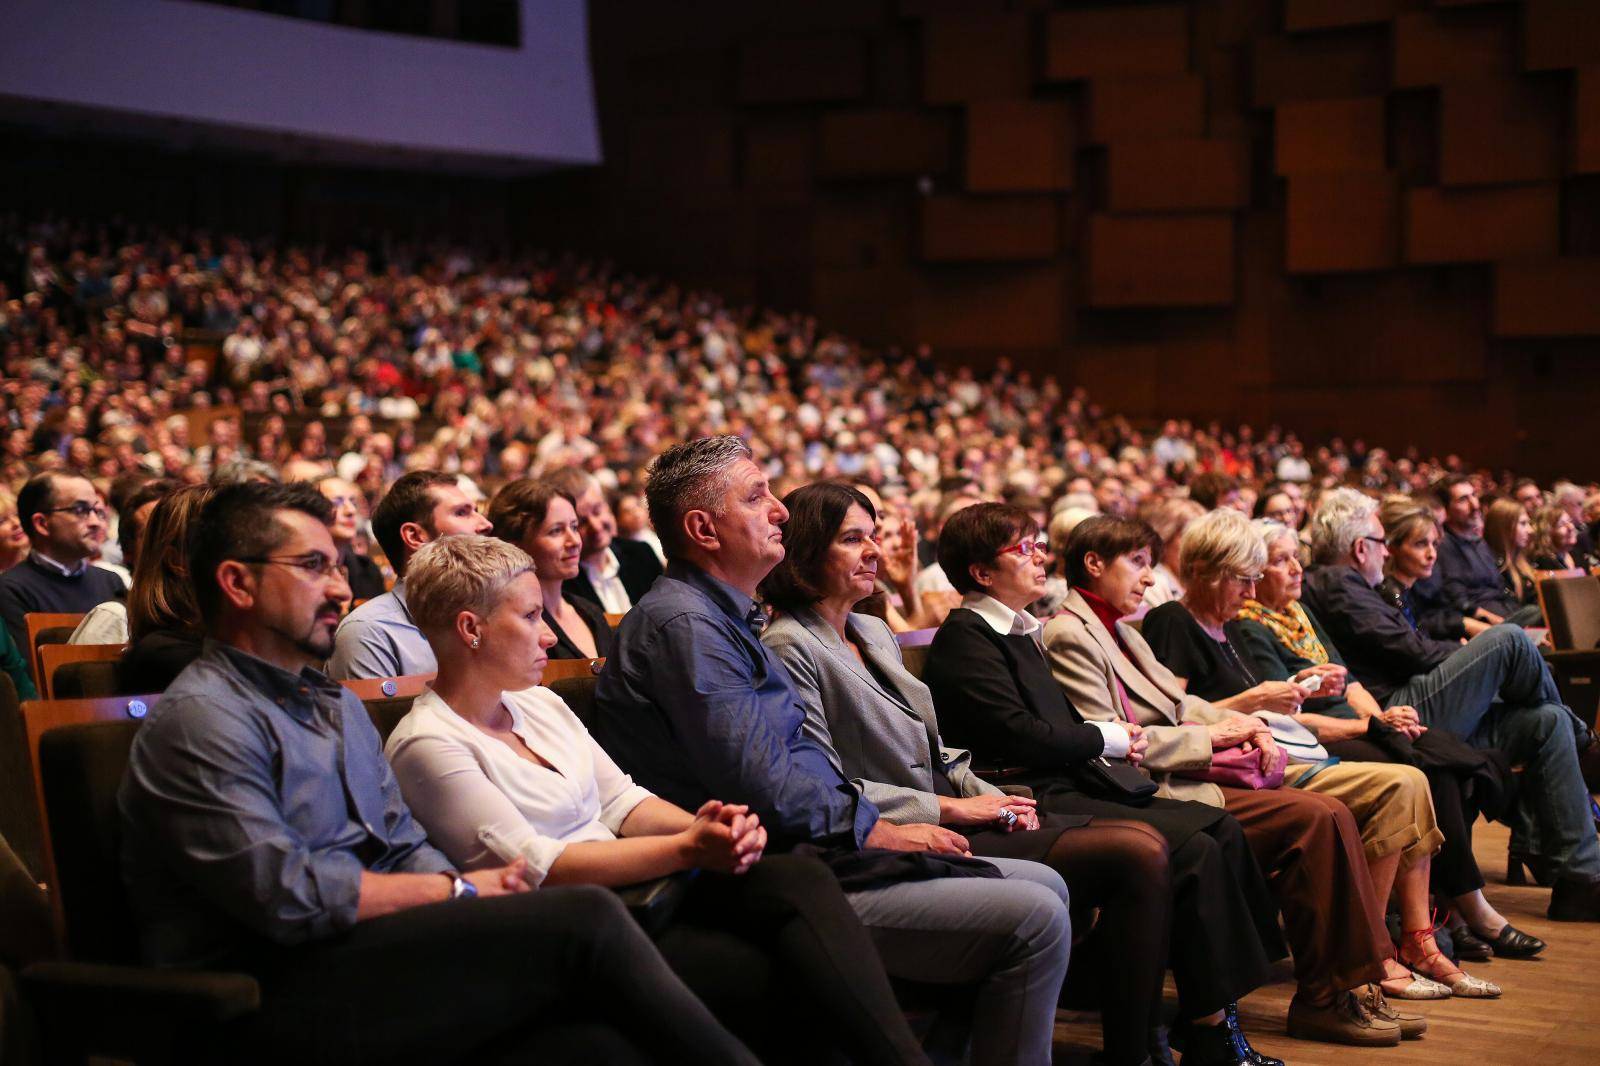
<point x="886" y="742"/>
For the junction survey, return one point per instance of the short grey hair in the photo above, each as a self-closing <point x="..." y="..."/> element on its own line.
<point x="461" y="572"/>
<point x="1217" y="544"/>
<point x="692" y="476"/>
<point x="1270" y="530"/>
<point x="240" y="471"/>
<point x="1343" y="517"/>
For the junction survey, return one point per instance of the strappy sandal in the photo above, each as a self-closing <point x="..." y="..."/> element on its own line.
<point x="1420" y="951"/>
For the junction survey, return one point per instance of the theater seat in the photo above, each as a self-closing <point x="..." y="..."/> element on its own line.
<point x="103" y="1003"/>
<point x="85" y="681"/>
<point x="386" y="712"/>
<point x="1572" y="611"/>
<point x="578" y="694"/>
<point x="20" y="820"/>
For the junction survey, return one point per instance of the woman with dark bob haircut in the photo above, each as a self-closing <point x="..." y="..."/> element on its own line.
<point x="879" y="724"/>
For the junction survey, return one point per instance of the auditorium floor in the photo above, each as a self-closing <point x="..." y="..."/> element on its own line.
<point x="1549" y="1014"/>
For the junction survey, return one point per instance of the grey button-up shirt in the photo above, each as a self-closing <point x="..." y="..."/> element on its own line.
<point x="253" y="801"/>
<point x="379" y="639"/>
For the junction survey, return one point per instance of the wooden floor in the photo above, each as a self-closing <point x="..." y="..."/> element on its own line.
<point x="1548" y="1016"/>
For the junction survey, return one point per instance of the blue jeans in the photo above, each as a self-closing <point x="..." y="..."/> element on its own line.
<point x="1496" y="692"/>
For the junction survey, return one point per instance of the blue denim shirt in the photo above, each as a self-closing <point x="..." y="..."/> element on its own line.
<point x="253" y="801"/>
<point x="695" y="707"/>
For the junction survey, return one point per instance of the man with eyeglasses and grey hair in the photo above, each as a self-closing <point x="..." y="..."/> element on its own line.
<point x="1494" y="691"/>
<point x="693" y="705"/>
<point x="66" y="522"/>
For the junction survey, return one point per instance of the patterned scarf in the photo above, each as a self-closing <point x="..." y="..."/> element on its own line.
<point x="1291" y="627"/>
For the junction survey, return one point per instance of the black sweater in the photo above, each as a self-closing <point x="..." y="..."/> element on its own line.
<point x="32" y="586"/>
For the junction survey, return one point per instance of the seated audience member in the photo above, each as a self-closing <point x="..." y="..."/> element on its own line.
<point x="264" y="831"/>
<point x="366" y="577"/>
<point x="1495" y="692"/>
<point x="1281" y="639"/>
<point x="1527" y="494"/>
<point x="1555" y="542"/>
<point x="1308" y="844"/>
<point x="108" y="622"/>
<point x="896" y="599"/>
<point x="1222" y="559"/>
<point x="878" y="725"/>
<point x="1508" y="531"/>
<point x="693" y="705"/>
<point x="938" y="596"/>
<point x="1212" y="491"/>
<point x="614" y="572"/>
<point x="164" y="626"/>
<point x="13" y="537"/>
<point x="1278" y="502"/>
<point x="1570" y="498"/>
<point x="633" y="523"/>
<point x="543" y="521"/>
<point x="240" y="471"/>
<point x="66" y="524"/>
<point x="1466" y="594"/>
<point x="497" y="769"/>
<point x="1170" y="518"/>
<point x="379" y="639"/>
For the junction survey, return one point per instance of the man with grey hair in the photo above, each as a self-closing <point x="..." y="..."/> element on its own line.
<point x="693" y="705"/>
<point x="1494" y="691"/>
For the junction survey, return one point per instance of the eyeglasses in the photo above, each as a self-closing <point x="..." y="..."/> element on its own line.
<point x="1376" y="540"/>
<point x="1247" y="579"/>
<point x="81" y="509"/>
<point x="313" y="565"/>
<point x="1024" y="549"/>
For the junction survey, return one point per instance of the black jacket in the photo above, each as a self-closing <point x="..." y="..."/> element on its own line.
<point x="638" y="569"/>
<point x="995" y="696"/>
<point x="595" y="618"/>
<point x="1381" y="647"/>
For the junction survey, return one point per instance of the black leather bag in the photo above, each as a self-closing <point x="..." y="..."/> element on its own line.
<point x="1119" y="781"/>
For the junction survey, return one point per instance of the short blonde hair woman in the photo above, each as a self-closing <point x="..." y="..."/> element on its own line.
<point x="498" y="770"/>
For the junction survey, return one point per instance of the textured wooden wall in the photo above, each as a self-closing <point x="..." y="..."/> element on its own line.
<point x="1371" y="217"/>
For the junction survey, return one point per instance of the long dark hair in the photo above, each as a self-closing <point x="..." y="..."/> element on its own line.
<point x="816" y="512"/>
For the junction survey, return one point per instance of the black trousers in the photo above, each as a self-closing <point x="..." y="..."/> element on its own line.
<point x="779" y="954"/>
<point x="561" y="975"/>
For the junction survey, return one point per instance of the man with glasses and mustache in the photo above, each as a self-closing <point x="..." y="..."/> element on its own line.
<point x="263" y="831"/>
<point x="65" y="520"/>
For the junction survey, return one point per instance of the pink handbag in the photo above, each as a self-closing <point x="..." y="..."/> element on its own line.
<point x="1237" y="768"/>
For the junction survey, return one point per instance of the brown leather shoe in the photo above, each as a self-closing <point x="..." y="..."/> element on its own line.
<point x="1412" y="1026"/>
<point x="1344" y="1021"/>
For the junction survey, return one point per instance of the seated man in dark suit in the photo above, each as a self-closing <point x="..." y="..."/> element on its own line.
<point x="265" y="832"/>
<point x="692" y="704"/>
<point x="1467" y="593"/>
<point x="1494" y="691"/>
<point x="614" y="572"/>
<point x="65" y="520"/>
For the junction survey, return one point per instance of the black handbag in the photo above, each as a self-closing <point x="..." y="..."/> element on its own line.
<point x="1118" y="781"/>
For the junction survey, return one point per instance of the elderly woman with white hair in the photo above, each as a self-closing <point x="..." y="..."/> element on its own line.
<point x="1221" y="561"/>
<point x="497" y="769"/>
<point x="1281" y="639"/>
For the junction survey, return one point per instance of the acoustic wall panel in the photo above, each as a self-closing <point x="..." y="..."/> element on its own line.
<point x="1547" y="298"/>
<point x="993" y="228"/>
<point x="1557" y="34"/>
<point x="1342" y="222"/>
<point x="812" y="68"/>
<point x="1319" y="66"/>
<point x="1178" y="174"/>
<point x="1501" y="129"/>
<point x="975" y="56"/>
<point x="1330" y="136"/>
<point x="1300" y="15"/>
<point x="1117" y="41"/>
<point x="882" y="142"/>
<point x="1160" y="261"/>
<point x="1586" y="121"/>
<point x="1142" y="108"/>
<point x="1430" y="50"/>
<point x="1482" y="225"/>
<point x="1019" y="146"/>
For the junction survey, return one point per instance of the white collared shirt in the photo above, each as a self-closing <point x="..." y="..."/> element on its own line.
<point x="1009" y="623"/>
<point x="78" y="569"/>
<point x="607" y="581"/>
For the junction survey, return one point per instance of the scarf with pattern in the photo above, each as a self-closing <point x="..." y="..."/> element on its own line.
<point x="1291" y="627"/>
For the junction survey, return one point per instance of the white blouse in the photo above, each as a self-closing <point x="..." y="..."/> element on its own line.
<point x="482" y="804"/>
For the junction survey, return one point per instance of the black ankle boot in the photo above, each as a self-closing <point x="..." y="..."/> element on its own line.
<point x="1240" y="1043"/>
<point x="1208" y="1045"/>
<point x="1575" y="899"/>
